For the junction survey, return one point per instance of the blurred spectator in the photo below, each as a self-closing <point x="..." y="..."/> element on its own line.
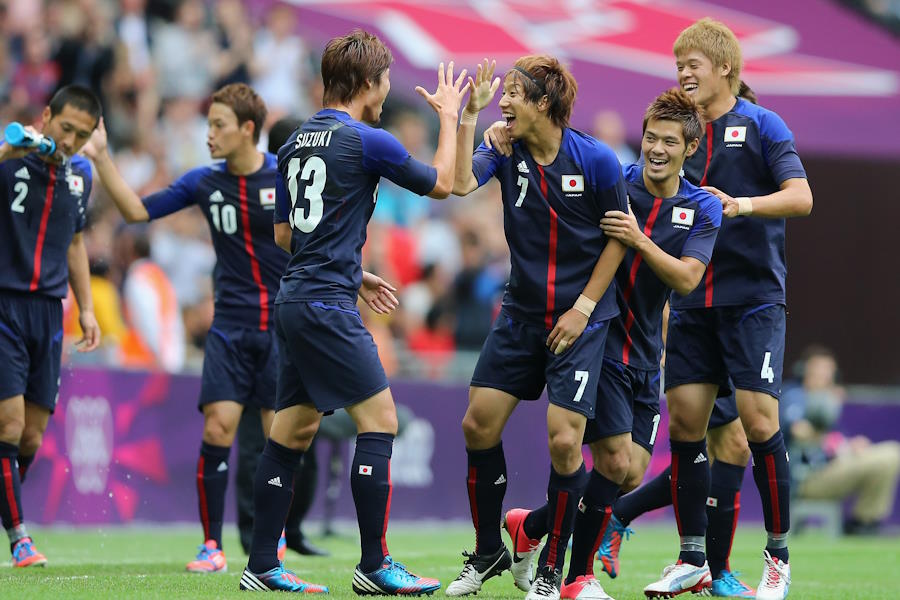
<point x="825" y="464"/>
<point x="474" y="294"/>
<point x="282" y="68"/>
<point x="155" y="337"/>
<point x="36" y="77"/>
<point x="609" y="127"/>
<point x="396" y="205"/>
<point x="235" y="40"/>
<point x="182" y="128"/>
<point x="184" y="53"/>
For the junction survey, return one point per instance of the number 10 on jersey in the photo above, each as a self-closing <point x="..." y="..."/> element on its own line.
<point x="313" y="173"/>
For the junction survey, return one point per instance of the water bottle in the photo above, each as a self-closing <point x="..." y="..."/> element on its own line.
<point x="16" y="135"/>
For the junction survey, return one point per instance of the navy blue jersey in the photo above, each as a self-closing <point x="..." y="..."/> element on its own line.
<point x="551" y="217"/>
<point x="684" y="225"/>
<point x="237" y="207"/>
<point x="44" y="206"/>
<point x="330" y="169"/>
<point x="748" y="151"/>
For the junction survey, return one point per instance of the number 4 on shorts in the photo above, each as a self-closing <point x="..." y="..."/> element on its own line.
<point x="766" y="372"/>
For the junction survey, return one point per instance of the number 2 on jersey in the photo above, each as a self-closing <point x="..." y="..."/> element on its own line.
<point x="314" y="173"/>
<point x="18" y="203"/>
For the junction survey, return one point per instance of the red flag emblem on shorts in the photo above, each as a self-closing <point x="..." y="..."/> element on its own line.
<point x="365" y="469"/>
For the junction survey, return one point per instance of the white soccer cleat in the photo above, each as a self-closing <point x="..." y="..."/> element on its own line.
<point x="678" y="579"/>
<point x="585" y="587"/>
<point x="546" y="584"/>
<point x="478" y="569"/>
<point x="524" y="548"/>
<point x="776" y="579"/>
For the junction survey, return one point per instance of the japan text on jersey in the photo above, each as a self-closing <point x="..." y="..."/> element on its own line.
<point x="330" y="169"/>
<point x="239" y="211"/>
<point x="551" y="217"/>
<point x="684" y="225"/>
<point x="749" y="151"/>
<point x="45" y="206"/>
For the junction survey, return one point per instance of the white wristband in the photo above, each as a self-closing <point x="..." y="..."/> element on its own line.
<point x="745" y="206"/>
<point x="468" y="118"/>
<point x="585" y="305"/>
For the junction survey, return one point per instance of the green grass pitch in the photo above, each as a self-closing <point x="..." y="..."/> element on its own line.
<point x="147" y="562"/>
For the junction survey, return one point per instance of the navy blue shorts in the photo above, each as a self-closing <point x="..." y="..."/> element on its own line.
<point x="711" y="345"/>
<point x="31" y="339"/>
<point x="327" y="356"/>
<point x="724" y="412"/>
<point x="240" y="365"/>
<point x="515" y="359"/>
<point x="627" y="400"/>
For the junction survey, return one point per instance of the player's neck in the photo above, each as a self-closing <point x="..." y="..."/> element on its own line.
<point x="718" y="106"/>
<point x="543" y="142"/>
<point x="662" y="189"/>
<point x="245" y="161"/>
<point x="354" y="110"/>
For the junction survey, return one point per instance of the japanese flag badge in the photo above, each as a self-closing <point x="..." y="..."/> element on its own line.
<point x="267" y="197"/>
<point x="735" y="134"/>
<point x="76" y="184"/>
<point x="365" y="469"/>
<point x="573" y="183"/>
<point x="682" y="216"/>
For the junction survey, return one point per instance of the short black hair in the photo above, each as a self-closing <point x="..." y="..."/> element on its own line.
<point x="76" y="96"/>
<point x="281" y="130"/>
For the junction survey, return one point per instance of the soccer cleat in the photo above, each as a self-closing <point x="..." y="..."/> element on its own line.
<point x="678" y="579"/>
<point x="608" y="554"/>
<point x="478" y="569"/>
<point x="209" y="559"/>
<point x="282" y="547"/>
<point x="24" y="554"/>
<point x="524" y="548"/>
<point x="727" y="585"/>
<point x="585" y="587"/>
<point x="392" y="579"/>
<point x="278" y="579"/>
<point x="776" y="579"/>
<point x="546" y="585"/>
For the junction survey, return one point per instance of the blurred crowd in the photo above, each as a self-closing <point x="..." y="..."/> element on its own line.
<point x="154" y="65"/>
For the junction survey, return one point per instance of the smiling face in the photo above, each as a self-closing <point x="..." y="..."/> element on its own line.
<point x="71" y="128"/>
<point x="520" y="114"/>
<point x="373" y="99"/>
<point x="664" y="149"/>
<point x="700" y="78"/>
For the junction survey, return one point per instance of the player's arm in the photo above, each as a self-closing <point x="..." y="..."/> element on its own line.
<point x="80" y="280"/>
<point x="283" y="236"/>
<point x="127" y="201"/>
<point x="281" y="216"/>
<point x="378" y="294"/>
<point x="794" y="199"/>
<point x="483" y="87"/>
<point x="445" y="101"/>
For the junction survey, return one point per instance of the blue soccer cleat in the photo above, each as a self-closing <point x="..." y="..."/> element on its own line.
<point x="278" y="579"/>
<point x="392" y="579"/>
<point x="727" y="585"/>
<point x="608" y="554"/>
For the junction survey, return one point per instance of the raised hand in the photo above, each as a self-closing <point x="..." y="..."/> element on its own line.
<point x="447" y="99"/>
<point x="483" y="87"/>
<point x="97" y="145"/>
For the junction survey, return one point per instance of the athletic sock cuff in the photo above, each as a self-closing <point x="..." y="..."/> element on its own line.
<point x="770" y="446"/>
<point x="381" y="444"/>
<point x="9" y="450"/>
<point x="212" y="451"/>
<point x="282" y="455"/>
<point x="726" y="475"/>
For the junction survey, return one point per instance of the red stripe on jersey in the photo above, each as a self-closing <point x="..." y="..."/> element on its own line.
<point x="254" y="264"/>
<point x="42" y="231"/>
<point x="709" y="142"/>
<point x="551" y="254"/>
<point x="708" y="282"/>
<point x="632" y="277"/>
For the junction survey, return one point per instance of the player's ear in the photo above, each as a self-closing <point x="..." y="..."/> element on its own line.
<point x="45" y="115"/>
<point x="725" y="69"/>
<point x="248" y="127"/>
<point x="692" y="147"/>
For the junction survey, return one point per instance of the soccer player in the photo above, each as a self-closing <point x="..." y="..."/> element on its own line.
<point x="556" y="187"/>
<point x="331" y="168"/>
<point x="732" y="326"/>
<point x="670" y="232"/>
<point x="41" y="220"/>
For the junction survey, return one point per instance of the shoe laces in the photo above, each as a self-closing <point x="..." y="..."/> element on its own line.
<point x="399" y="569"/>
<point x="731" y="580"/>
<point x="469" y="565"/>
<point x="23" y="548"/>
<point x="616" y="534"/>
<point x="774" y="571"/>
<point x="544" y="584"/>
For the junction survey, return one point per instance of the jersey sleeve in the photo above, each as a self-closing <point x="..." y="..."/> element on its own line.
<point x="604" y="172"/>
<point x="282" y="201"/>
<point x="181" y="194"/>
<point x="87" y="178"/>
<point x="779" y="149"/>
<point x="702" y="236"/>
<point x="485" y="163"/>
<point x="384" y="155"/>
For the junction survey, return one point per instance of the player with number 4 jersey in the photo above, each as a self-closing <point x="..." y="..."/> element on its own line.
<point x="330" y="169"/>
<point x="556" y="186"/>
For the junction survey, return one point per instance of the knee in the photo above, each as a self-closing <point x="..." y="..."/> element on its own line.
<point x="30" y="441"/>
<point x="479" y="435"/>
<point x="633" y="479"/>
<point x="296" y="438"/>
<point x="217" y="432"/>
<point x="11" y="429"/>
<point x="759" y="428"/>
<point x="617" y="465"/>
<point x="684" y="429"/>
<point x="731" y="446"/>
<point x="564" y="444"/>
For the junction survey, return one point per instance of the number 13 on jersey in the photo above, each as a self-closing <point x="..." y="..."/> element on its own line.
<point x="313" y="173"/>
